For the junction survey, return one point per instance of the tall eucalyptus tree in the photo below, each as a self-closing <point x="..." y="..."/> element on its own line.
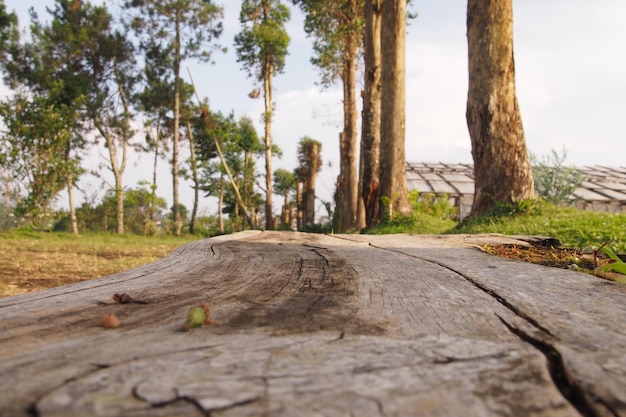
<point x="336" y="27"/>
<point x="262" y="46"/>
<point x="370" y="123"/>
<point x="393" y="186"/>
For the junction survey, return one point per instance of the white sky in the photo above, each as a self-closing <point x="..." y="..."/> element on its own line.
<point x="571" y="85"/>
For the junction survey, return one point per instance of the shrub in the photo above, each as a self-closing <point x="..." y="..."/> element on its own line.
<point x="554" y="181"/>
<point x="439" y="207"/>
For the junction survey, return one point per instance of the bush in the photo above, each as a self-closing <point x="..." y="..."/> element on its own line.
<point x="430" y="214"/>
<point x="439" y="207"/>
<point x="554" y="181"/>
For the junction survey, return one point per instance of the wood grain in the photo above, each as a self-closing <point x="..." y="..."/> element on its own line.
<point x="315" y="325"/>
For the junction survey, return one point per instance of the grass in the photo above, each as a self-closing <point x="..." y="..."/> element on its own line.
<point x="575" y="229"/>
<point x="416" y="223"/>
<point x="34" y="260"/>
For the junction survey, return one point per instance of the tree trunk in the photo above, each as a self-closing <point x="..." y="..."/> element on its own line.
<point x="502" y="170"/>
<point x="119" y="196"/>
<point x="299" y="204"/>
<point x="268" y="73"/>
<point x="176" y="139"/>
<point x="370" y="133"/>
<point x="220" y="205"/>
<point x="347" y="200"/>
<point x="290" y="215"/>
<point x="248" y="186"/>
<point x="117" y="169"/>
<point x="119" y="186"/>
<point x="194" y="178"/>
<point x="284" y="213"/>
<point x="153" y="195"/>
<point x="309" y="192"/>
<point x="392" y="162"/>
<point x="70" y="195"/>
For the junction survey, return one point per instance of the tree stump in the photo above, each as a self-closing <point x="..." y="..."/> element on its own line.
<point x="314" y="325"/>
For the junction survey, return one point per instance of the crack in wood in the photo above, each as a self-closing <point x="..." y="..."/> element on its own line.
<point x="33" y="408"/>
<point x="561" y="378"/>
<point x="166" y="403"/>
<point x="197" y="404"/>
<point x="325" y="268"/>
<point x="566" y="385"/>
<point x="500" y="299"/>
<point x="445" y="359"/>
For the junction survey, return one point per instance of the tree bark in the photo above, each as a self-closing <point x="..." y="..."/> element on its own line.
<point x="348" y="178"/>
<point x="299" y="206"/>
<point x="176" y="137"/>
<point x="118" y="169"/>
<point x="220" y="205"/>
<point x="195" y="179"/>
<point x="393" y="95"/>
<point x="370" y="132"/>
<point x="267" y="94"/>
<point x="501" y="165"/>
<point x="284" y="213"/>
<point x="70" y="194"/>
<point x="155" y="163"/>
<point x="313" y="151"/>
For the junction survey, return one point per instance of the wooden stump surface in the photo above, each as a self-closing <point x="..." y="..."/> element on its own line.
<point x="315" y="325"/>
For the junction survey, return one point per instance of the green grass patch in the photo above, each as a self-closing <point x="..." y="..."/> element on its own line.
<point x="416" y="223"/>
<point x="430" y="215"/>
<point x="574" y="228"/>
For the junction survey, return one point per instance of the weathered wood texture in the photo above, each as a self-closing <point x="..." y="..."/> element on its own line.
<point x="317" y="325"/>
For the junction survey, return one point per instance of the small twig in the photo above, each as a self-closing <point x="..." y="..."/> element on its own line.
<point x="595" y="253"/>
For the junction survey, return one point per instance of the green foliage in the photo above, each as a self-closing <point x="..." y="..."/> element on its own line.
<point x="247" y="137"/>
<point x="576" y="229"/>
<point x="436" y="206"/>
<point x="284" y="181"/>
<point x="554" y="181"/>
<point x="416" y="222"/>
<point x="336" y="28"/>
<point x="138" y="206"/>
<point x="309" y="157"/>
<point x="44" y="140"/>
<point x="614" y="268"/>
<point x="76" y="69"/>
<point x="159" y="22"/>
<point x="503" y="212"/>
<point x="239" y="142"/>
<point x="431" y="214"/>
<point x="36" y="149"/>
<point x="262" y="44"/>
<point x="8" y="29"/>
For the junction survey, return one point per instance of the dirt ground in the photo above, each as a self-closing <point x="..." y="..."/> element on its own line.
<point x="564" y="258"/>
